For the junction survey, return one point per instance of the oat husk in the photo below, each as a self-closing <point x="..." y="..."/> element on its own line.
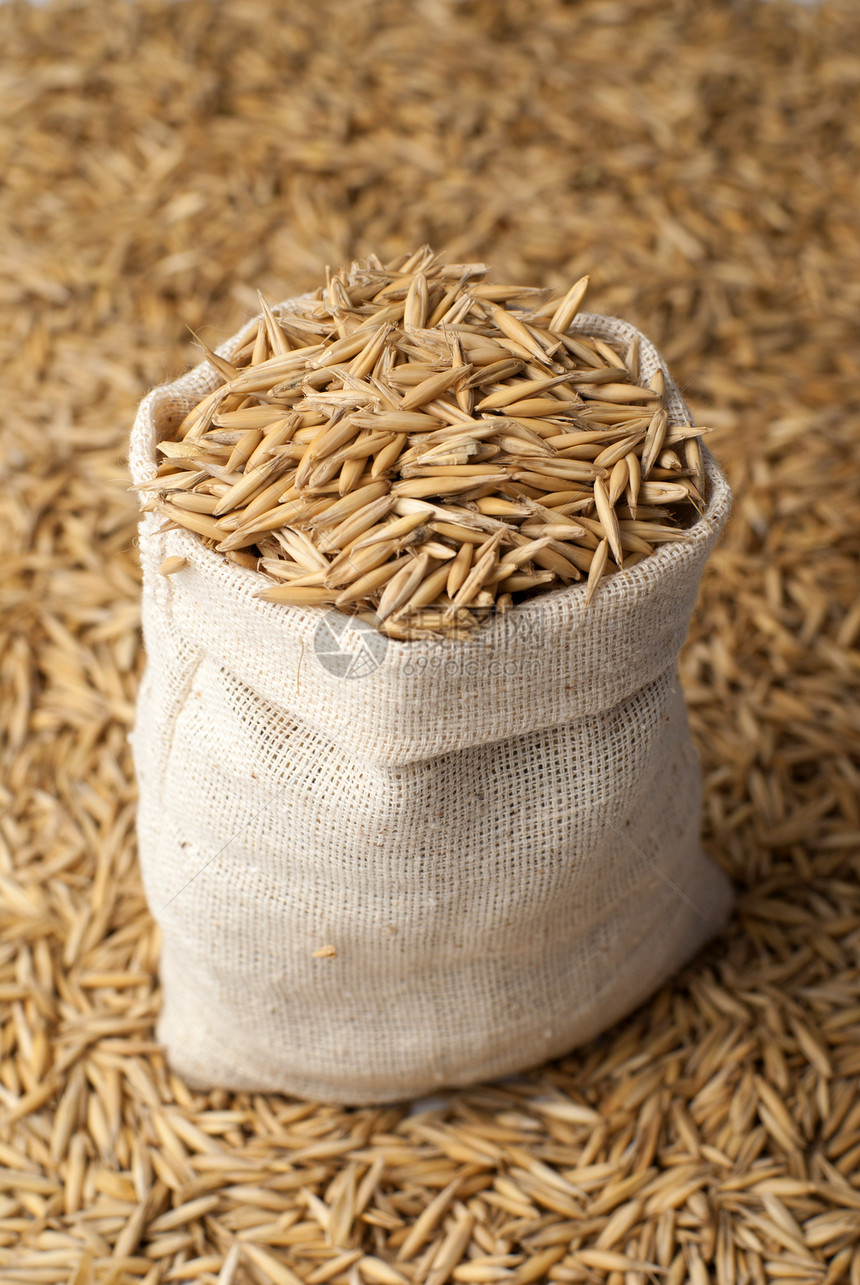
<point x="339" y="414"/>
<point x="714" y="1134"/>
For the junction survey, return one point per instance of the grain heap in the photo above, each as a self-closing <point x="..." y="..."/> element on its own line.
<point x="401" y="445"/>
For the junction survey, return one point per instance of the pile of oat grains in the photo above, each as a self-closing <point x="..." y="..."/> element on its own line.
<point x="403" y="445"/>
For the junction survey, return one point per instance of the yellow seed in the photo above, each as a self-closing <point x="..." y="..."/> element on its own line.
<point x="401" y="587"/>
<point x="459" y="568"/>
<point x="249" y="484"/>
<point x="608" y="519"/>
<point x="297" y="597"/>
<point x="200" y="523"/>
<point x="415" y="309"/>
<point x="366" y="584"/>
<point x="420" y="487"/>
<point x="428" y="591"/>
<point x="514" y="329"/>
<point x="519" y="391"/>
<point x="335" y="512"/>
<point x="171" y="565"/>
<point x="569" y="306"/>
<point x="595" y="571"/>
<point x="654" y="439"/>
<point x="521" y="580"/>
<point x="618" y="479"/>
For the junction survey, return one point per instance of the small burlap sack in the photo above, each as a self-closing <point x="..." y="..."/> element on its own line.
<point x="498" y="837"/>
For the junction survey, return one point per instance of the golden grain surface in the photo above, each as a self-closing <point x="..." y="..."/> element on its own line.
<point x="159" y="163"/>
<point x="399" y="445"/>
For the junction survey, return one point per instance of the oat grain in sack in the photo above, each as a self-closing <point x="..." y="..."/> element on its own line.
<point x="384" y="866"/>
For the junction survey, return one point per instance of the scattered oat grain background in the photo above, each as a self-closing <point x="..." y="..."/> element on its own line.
<point x="159" y="163"/>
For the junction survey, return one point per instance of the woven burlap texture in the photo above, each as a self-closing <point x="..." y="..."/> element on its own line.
<point x="499" y="837"/>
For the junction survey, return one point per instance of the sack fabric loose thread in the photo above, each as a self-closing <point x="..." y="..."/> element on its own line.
<point x="476" y="857"/>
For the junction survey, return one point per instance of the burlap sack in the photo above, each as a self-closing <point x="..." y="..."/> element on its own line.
<point x="498" y="837"/>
